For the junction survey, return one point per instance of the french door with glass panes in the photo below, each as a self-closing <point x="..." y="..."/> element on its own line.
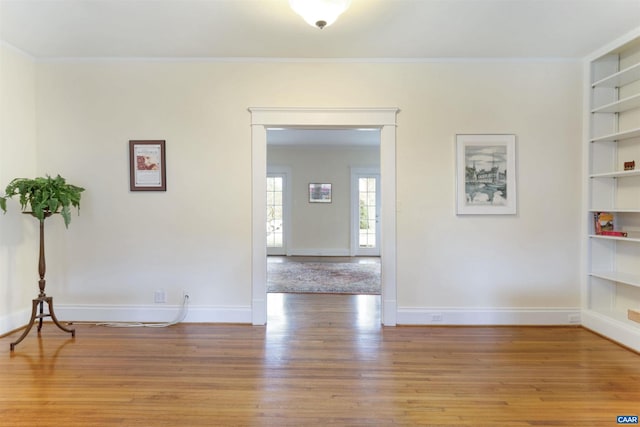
<point x="276" y="214"/>
<point x="365" y="212"/>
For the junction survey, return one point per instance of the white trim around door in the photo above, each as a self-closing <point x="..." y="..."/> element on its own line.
<point x="324" y="118"/>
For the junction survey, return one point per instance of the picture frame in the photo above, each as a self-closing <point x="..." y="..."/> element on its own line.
<point x="147" y="165"/>
<point x="319" y="193"/>
<point x="486" y="174"/>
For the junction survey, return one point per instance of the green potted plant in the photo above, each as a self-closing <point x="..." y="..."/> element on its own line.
<point x="44" y="196"/>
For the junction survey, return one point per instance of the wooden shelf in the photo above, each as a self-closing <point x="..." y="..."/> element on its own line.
<point x="618" y="136"/>
<point x="619" y="277"/>
<point x="621" y="78"/>
<point x="625" y="104"/>
<point x="617" y="174"/>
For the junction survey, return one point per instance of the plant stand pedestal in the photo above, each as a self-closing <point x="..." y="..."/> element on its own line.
<point x="35" y="315"/>
<point x="42" y="297"/>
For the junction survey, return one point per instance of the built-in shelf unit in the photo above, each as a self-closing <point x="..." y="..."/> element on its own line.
<point x="611" y="288"/>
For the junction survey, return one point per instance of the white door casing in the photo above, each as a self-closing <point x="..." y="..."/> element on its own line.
<point x="328" y="118"/>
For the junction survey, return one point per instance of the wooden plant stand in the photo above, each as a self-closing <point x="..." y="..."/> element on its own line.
<point x="37" y="309"/>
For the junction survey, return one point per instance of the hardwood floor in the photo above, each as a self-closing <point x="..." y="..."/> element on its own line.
<point x="322" y="360"/>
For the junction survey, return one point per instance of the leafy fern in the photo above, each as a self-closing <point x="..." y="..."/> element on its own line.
<point x="44" y="196"/>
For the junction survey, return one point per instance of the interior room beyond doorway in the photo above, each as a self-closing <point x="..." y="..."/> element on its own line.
<point x="345" y="165"/>
<point x="316" y="240"/>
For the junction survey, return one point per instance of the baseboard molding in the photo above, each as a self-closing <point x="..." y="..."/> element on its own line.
<point x="319" y="252"/>
<point x="488" y="316"/>
<point x="615" y="330"/>
<point x="14" y="321"/>
<point x="152" y="313"/>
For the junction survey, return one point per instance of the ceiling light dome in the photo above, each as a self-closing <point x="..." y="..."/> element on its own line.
<point x="319" y="13"/>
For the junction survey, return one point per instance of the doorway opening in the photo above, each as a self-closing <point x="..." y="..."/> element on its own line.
<point x="334" y="235"/>
<point x="383" y="119"/>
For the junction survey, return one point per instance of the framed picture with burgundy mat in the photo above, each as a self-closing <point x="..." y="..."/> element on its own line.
<point x="319" y="193"/>
<point x="147" y="166"/>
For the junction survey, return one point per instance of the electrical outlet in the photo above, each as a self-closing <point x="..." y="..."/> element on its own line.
<point x="185" y="295"/>
<point x="159" y="296"/>
<point x="436" y="317"/>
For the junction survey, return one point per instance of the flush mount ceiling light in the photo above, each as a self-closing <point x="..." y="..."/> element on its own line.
<point x="319" y="13"/>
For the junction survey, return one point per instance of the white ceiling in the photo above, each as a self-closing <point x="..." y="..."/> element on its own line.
<point x="383" y="29"/>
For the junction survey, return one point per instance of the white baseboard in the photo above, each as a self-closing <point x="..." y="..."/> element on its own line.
<point x="615" y="330"/>
<point x="152" y="313"/>
<point x="14" y="321"/>
<point x="319" y="252"/>
<point x="405" y="316"/>
<point x="488" y="316"/>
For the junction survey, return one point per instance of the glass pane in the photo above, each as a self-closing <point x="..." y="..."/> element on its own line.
<point x="275" y="185"/>
<point x="367" y="201"/>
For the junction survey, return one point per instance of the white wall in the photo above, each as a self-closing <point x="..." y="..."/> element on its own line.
<point x="18" y="233"/>
<point x="321" y="228"/>
<point x="197" y="235"/>
<point x="459" y="263"/>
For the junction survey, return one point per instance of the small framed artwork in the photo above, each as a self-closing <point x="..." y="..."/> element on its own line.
<point x="486" y="174"/>
<point x="319" y="193"/>
<point x="147" y="166"/>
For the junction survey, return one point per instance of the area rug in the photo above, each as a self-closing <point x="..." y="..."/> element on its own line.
<point x="323" y="277"/>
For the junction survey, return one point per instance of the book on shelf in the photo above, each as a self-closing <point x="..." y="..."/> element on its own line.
<point x="602" y="221"/>
<point x="614" y="233"/>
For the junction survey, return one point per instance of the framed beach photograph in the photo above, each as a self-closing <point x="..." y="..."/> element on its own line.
<point x="486" y="174"/>
<point x="319" y="193"/>
<point x="147" y="166"/>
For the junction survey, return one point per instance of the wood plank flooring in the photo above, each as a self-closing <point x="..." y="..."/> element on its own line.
<point x="322" y="360"/>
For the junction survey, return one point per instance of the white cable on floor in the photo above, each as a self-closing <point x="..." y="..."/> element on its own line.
<point x="182" y="314"/>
